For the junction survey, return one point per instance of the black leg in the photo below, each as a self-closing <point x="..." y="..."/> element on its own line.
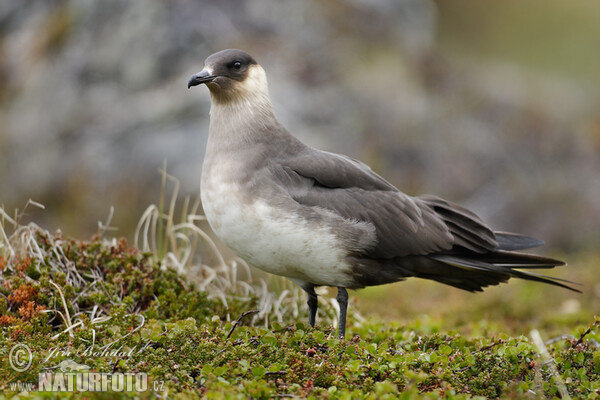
<point x="342" y="299"/>
<point x="313" y="304"/>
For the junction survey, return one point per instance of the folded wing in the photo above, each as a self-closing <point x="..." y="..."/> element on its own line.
<point x="424" y="236"/>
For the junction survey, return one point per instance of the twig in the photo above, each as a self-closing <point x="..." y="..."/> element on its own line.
<point x="587" y="332"/>
<point x="275" y="372"/>
<point x="560" y="384"/>
<point x="235" y="324"/>
<point x="559" y="338"/>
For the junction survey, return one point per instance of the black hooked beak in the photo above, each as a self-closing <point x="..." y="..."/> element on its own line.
<point x="201" y="77"/>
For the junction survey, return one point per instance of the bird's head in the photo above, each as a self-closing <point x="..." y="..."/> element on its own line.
<point x="232" y="75"/>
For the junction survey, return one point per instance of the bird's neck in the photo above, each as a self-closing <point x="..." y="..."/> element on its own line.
<point x="247" y="119"/>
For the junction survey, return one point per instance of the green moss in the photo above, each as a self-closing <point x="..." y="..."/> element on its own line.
<point x="127" y="314"/>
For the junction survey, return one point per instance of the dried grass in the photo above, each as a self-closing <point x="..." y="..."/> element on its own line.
<point x="179" y="244"/>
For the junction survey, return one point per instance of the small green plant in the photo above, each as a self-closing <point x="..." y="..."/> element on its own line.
<point x="106" y="306"/>
<point x="176" y="241"/>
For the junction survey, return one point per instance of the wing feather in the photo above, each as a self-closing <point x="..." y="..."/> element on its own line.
<point x="405" y="225"/>
<point x="424" y="236"/>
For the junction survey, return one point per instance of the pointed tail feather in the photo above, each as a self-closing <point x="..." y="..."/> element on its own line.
<point x="493" y="268"/>
<point x="512" y="259"/>
<point x="513" y="241"/>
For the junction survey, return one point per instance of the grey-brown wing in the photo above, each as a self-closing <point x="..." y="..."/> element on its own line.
<point x="405" y="225"/>
<point x="337" y="171"/>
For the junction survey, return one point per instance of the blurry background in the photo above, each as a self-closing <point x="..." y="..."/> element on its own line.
<point x="494" y="105"/>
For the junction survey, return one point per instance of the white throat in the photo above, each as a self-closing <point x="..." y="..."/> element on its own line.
<point x="244" y="111"/>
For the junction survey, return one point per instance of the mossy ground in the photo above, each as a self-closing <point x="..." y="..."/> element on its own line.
<point x="104" y="306"/>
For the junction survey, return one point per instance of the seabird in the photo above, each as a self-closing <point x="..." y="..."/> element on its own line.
<point x="325" y="219"/>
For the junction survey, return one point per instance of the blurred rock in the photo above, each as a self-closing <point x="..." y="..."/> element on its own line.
<point x="93" y="98"/>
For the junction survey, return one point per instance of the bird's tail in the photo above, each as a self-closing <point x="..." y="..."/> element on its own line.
<point x="473" y="271"/>
<point x="493" y="268"/>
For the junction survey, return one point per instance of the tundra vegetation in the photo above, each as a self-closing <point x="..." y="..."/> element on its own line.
<point x="215" y="331"/>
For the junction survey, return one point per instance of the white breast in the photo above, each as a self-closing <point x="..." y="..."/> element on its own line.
<point x="271" y="239"/>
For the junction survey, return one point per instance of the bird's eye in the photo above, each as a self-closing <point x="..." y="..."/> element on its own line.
<point x="237" y="65"/>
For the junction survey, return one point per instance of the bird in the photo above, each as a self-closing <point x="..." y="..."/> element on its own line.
<point x="324" y="219"/>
